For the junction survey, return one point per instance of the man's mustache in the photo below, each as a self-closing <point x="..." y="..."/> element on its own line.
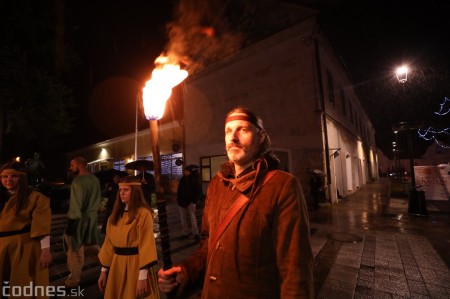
<point x="230" y="145"/>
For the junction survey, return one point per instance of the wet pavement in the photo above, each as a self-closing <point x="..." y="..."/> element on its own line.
<point x="367" y="246"/>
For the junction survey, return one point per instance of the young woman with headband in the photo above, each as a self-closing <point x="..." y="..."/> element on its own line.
<point x="129" y="250"/>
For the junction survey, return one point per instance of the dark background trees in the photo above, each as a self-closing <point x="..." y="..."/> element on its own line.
<point x="35" y="64"/>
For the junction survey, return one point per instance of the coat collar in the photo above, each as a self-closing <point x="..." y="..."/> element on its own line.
<point x="250" y="177"/>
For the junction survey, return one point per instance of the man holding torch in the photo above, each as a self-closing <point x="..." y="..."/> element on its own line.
<point x="255" y="228"/>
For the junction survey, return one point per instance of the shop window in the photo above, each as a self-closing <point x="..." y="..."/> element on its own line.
<point x="169" y="165"/>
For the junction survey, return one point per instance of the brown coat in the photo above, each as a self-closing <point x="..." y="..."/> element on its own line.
<point x="265" y="252"/>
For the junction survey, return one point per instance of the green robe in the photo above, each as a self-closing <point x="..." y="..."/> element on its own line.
<point x="85" y="195"/>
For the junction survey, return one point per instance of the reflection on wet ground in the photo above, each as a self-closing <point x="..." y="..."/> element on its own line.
<point x="401" y="255"/>
<point x="371" y="208"/>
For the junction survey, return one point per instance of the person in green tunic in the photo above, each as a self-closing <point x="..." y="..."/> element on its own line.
<point x="81" y="231"/>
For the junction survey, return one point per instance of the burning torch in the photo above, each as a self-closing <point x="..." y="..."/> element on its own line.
<point x="155" y="94"/>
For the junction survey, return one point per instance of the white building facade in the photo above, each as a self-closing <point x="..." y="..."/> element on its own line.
<point x="296" y="82"/>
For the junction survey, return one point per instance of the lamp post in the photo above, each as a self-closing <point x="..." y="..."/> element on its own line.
<point x="411" y="157"/>
<point x="417" y="204"/>
<point x="155" y="94"/>
<point x="402" y="76"/>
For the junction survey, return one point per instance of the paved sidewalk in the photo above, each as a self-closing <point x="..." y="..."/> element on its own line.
<point x="367" y="246"/>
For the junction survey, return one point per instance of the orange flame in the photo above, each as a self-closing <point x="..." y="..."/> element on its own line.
<point x="158" y="89"/>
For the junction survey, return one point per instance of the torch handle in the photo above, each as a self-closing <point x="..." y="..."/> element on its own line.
<point x="165" y="243"/>
<point x="164" y="233"/>
<point x="160" y="202"/>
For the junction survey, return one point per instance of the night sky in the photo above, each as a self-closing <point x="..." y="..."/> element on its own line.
<point x="118" y="42"/>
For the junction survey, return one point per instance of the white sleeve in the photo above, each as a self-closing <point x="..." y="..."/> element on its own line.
<point x="45" y="242"/>
<point x="143" y="274"/>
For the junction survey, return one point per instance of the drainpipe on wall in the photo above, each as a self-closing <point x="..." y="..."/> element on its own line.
<point x="324" y="115"/>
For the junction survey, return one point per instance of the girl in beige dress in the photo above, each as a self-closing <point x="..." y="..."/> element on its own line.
<point x="129" y="250"/>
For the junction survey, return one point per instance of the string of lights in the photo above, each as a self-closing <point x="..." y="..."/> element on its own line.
<point x="440" y="112"/>
<point x="430" y="133"/>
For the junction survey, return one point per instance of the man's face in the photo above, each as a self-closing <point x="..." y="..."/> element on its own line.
<point x="241" y="141"/>
<point x="74" y="167"/>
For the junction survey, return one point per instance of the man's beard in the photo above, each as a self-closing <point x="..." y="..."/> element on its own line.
<point x="236" y="152"/>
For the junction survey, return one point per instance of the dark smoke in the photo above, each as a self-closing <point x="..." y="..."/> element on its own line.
<point x="204" y="31"/>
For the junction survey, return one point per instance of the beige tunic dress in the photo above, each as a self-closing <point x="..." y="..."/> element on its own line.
<point x="117" y="254"/>
<point x="20" y="247"/>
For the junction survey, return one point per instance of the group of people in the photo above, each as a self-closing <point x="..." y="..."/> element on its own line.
<point x="128" y="249"/>
<point x="254" y="240"/>
<point x="25" y="224"/>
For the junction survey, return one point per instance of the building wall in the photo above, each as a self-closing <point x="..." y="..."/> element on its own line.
<point x="278" y="78"/>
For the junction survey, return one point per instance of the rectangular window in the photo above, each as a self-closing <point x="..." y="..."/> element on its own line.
<point x="211" y="165"/>
<point x="119" y="165"/>
<point x="169" y="165"/>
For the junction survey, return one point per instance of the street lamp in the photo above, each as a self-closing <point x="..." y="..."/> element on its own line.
<point x="155" y="94"/>
<point x="402" y="74"/>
